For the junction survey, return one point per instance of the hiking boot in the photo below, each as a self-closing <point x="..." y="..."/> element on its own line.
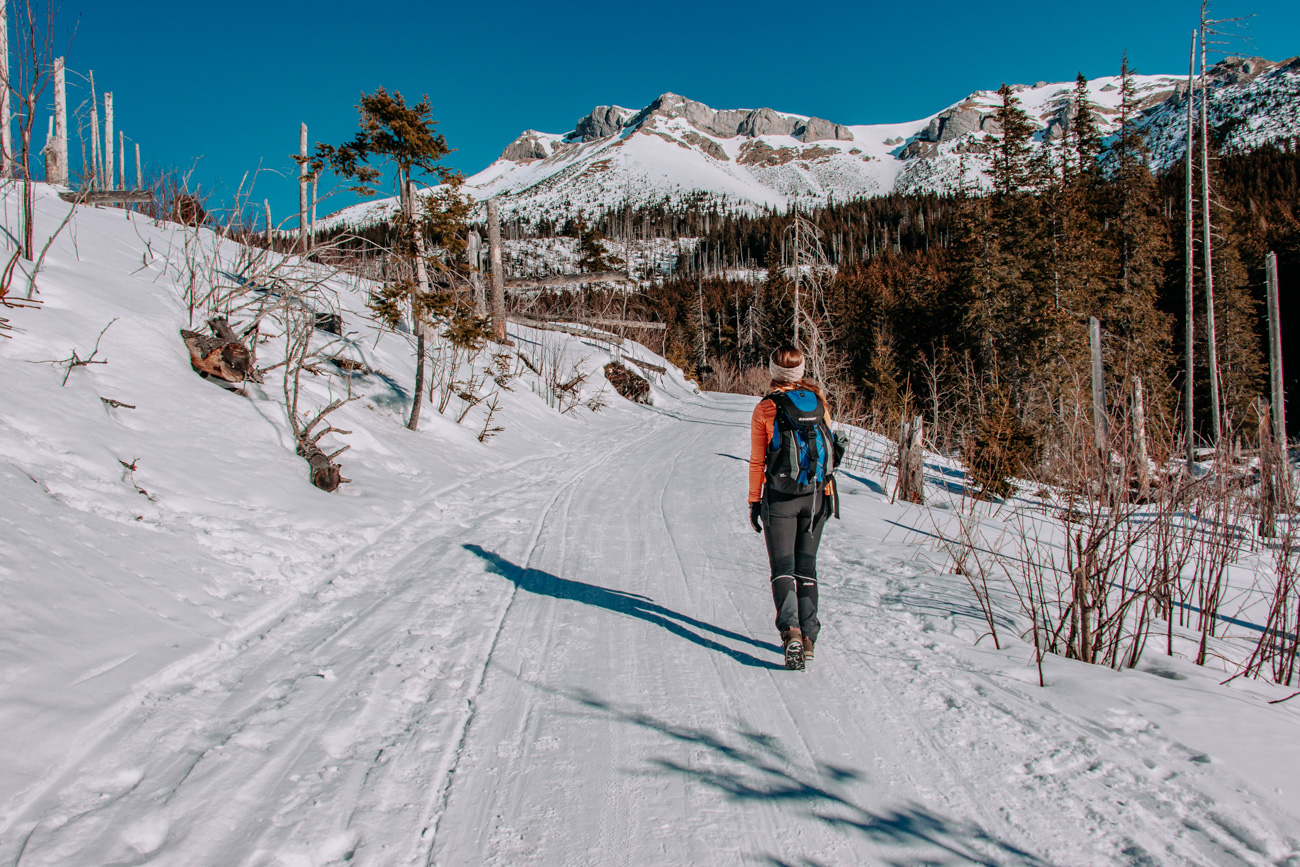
<point x="807" y="648"/>
<point x="792" y="639"/>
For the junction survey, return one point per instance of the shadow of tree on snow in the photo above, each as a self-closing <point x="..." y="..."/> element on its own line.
<point x="756" y="767"/>
<point x="635" y="605"/>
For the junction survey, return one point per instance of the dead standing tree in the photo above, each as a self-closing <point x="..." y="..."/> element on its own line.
<point x="24" y="81"/>
<point x="808" y="269"/>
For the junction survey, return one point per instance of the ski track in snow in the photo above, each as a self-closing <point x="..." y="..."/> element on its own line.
<point x="571" y="660"/>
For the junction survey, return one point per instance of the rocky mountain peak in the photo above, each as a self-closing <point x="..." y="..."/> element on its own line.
<point x="607" y="120"/>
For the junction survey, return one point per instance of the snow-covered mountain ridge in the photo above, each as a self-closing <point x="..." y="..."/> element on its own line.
<point x="677" y="150"/>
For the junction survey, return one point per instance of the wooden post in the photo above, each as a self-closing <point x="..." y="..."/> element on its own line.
<point x="302" y="189"/>
<point x="1189" y="266"/>
<point x="139" y="175"/>
<point x="1275" y="355"/>
<point x="269" y="228"/>
<point x="1098" y="385"/>
<point x="6" y="130"/>
<point x="474" y="258"/>
<point x="108" y="140"/>
<point x="121" y="159"/>
<point x="497" y="272"/>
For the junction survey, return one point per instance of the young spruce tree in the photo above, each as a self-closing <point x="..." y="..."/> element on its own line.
<point x="394" y="134"/>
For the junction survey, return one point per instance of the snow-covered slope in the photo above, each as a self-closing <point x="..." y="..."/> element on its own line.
<point x="555" y="647"/>
<point x="677" y="150"/>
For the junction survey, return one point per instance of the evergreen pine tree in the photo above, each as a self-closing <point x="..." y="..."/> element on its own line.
<point x="1138" y="238"/>
<point x="403" y="136"/>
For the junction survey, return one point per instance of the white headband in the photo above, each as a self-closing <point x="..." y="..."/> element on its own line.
<point x="784" y="374"/>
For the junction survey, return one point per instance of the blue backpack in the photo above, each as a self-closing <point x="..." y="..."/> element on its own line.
<point x="802" y="454"/>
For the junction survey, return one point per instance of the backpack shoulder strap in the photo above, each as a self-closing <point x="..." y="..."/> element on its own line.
<point x="781" y="401"/>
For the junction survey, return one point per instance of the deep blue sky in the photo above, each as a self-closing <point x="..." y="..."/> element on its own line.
<point x="227" y="83"/>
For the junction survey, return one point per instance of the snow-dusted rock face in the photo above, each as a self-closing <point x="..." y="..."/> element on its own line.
<point x="678" y="149"/>
<point x="528" y="147"/>
<point x="604" y="120"/>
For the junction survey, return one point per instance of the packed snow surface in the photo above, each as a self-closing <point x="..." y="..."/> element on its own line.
<point x="552" y="648"/>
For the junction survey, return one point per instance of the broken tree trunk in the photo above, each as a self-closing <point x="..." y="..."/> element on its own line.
<point x="497" y="274"/>
<point x="221" y="355"/>
<point x="1269" y="464"/>
<point x="1142" y="458"/>
<point x="325" y="474"/>
<point x="910" y="454"/>
<point x="60" y="151"/>
<point x="473" y="256"/>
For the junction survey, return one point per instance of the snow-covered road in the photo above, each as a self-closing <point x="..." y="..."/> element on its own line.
<point x="571" y="660"/>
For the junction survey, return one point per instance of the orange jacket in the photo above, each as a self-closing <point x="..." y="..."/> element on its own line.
<point x="760" y="434"/>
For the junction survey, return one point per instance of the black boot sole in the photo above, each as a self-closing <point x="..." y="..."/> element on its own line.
<point x="794" y="656"/>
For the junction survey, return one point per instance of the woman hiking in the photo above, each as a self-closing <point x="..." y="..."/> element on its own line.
<point x="791" y="458"/>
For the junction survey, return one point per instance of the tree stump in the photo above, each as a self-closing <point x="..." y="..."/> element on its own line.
<point x="910" y="453"/>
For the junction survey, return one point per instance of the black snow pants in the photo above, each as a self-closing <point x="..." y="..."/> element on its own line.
<point x="792" y="528"/>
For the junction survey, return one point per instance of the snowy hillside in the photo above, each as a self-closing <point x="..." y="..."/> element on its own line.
<point x="551" y="647"/>
<point x="677" y="150"/>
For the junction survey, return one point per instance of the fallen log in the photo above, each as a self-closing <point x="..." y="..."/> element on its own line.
<point x="566" y="280"/>
<point x="645" y="365"/>
<point x="109" y="197"/>
<point x="220" y="354"/>
<point x="325" y="474"/>
<point x="556" y="325"/>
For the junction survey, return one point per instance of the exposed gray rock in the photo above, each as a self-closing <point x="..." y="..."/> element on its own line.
<point x="817" y="129"/>
<point x="604" y="120"/>
<point x="706" y="144"/>
<point x="764" y="121"/>
<point x="953" y="123"/>
<point x="670" y="105"/>
<point x="989" y="124"/>
<point x="526" y="148"/>
<point x="726" y="123"/>
<point x="919" y="147"/>
<point x="1235" y="70"/>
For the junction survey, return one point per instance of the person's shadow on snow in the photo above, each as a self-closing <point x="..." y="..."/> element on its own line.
<point x="620" y="602"/>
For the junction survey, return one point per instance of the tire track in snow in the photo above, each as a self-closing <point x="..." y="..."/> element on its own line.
<point x="238" y="637"/>
<point x="526" y="563"/>
<point x="221" y="676"/>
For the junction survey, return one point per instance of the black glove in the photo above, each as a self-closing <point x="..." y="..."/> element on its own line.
<point x="754" y="509"/>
